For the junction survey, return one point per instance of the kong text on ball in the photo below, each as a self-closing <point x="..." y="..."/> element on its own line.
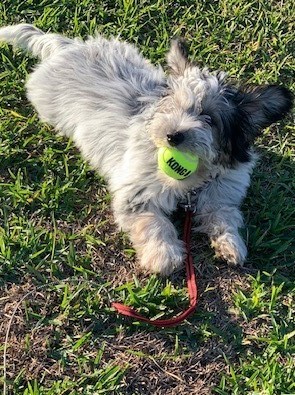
<point x="176" y="164"/>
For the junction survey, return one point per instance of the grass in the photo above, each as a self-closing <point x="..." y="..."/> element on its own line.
<point x="62" y="260"/>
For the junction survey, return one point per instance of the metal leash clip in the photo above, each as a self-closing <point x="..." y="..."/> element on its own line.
<point x="188" y="205"/>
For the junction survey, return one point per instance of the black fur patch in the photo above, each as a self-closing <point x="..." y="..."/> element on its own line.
<point x="244" y="113"/>
<point x="273" y="101"/>
<point x="235" y="128"/>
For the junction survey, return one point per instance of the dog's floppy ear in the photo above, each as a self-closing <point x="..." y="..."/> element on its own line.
<point x="177" y="57"/>
<point x="246" y="112"/>
<point x="266" y="104"/>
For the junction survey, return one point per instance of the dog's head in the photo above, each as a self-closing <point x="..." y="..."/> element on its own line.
<point x="204" y="114"/>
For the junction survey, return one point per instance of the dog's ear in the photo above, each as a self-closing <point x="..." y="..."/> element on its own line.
<point x="267" y="104"/>
<point x="177" y="57"/>
<point x="245" y="112"/>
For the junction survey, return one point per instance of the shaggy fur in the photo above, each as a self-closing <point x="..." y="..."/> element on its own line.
<point x="119" y="109"/>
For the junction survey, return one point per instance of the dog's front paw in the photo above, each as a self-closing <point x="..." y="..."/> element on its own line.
<point x="161" y="257"/>
<point x="231" y="248"/>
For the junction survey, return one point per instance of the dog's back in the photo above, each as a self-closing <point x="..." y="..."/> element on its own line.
<point x="88" y="90"/>
<point x="98" y="74"/>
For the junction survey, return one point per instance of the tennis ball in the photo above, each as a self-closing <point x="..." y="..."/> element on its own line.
<point x="176" y="164"/>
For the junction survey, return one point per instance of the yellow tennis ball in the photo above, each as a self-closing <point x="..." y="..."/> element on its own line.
<point x="177" y="164"/>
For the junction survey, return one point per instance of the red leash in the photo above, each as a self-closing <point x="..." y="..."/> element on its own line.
<point x="191" y="284"/>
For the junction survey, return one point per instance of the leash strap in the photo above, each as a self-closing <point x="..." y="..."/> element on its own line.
<point x="191" y="284"/>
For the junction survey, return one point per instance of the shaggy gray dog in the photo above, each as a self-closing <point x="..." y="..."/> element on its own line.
<point x="119" y="109"/>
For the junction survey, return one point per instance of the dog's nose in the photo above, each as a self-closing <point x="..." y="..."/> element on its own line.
<point x="175" y="139"/>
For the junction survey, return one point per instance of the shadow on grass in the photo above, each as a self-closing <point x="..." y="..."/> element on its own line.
<point x="270" y="216"/>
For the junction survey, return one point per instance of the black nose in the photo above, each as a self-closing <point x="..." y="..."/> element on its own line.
<point x="175" y="139"/>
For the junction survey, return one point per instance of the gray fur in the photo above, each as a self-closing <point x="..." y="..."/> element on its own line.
<point x="119" y="108"/>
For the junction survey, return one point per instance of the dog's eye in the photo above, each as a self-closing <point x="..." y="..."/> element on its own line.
<point x="175" y="139"/>
<point x="207" y="119"/>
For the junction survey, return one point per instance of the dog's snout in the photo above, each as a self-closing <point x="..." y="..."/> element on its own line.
<point x="175" y="139"/>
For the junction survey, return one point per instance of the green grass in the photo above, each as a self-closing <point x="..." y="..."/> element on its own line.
<point x="62" y="261"/>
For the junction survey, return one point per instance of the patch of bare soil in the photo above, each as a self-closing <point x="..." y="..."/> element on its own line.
<point x="154" y="366"/>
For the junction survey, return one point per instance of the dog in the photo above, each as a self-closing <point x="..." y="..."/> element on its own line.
<point x="119" y="109"/>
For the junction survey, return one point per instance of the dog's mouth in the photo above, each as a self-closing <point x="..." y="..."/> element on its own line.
<point x="196" y="141"/>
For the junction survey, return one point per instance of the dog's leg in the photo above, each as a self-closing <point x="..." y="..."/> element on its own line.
<point x="222" y="226"/>
<point x="155" y="239"/>
<point x="219" y="215"/>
